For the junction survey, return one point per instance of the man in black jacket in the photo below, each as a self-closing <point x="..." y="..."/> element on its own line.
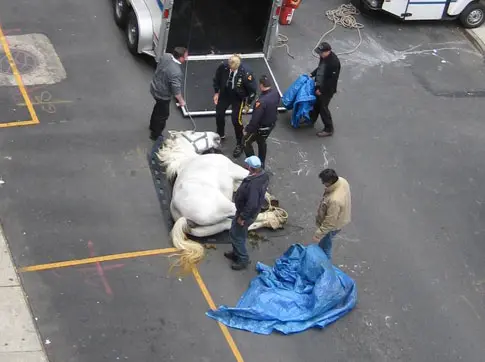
<point x="263" y="119"/>
<point x="326" y="78"/>
<point x="234" y="86"/>
<point x="249" y="199"/>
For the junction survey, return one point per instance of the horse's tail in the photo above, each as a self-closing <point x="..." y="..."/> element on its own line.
<point x="191" y="252"/>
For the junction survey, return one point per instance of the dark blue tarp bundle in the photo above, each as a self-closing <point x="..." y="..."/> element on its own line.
<point x="301" y="291"/>
<point x="300" y="97"/>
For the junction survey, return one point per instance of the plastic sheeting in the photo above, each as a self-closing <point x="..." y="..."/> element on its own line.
<point x="300" y="97"/>
<point x="302" y="290"/>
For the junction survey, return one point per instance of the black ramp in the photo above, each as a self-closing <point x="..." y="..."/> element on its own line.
<point x="199" y="90"/>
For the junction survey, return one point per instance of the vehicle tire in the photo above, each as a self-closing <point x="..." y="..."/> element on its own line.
<point x="473" y="15"/>
<point x="121" y="11"/>
<point x="132" y="33"/>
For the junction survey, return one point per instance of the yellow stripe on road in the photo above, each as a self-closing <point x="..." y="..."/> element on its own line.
<point x="96" y="259"/>
<point x="210" y="302"/>
<point x="19" y="81"/>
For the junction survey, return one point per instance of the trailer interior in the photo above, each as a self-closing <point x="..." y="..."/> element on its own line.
<point x="219" y="26"/>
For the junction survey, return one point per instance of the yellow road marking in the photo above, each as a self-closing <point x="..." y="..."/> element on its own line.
<point x="20" y="85"/>
<point x="68" y="263"/>
<point x="17" y="123"/>
<point x="212" y="305"/>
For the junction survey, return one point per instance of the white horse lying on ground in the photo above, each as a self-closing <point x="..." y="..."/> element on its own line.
<point x="201" y="202"/>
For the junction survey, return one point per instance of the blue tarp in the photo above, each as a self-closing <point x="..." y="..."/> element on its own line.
<point x="300" y="97"/>
<point x="302" y="290"/>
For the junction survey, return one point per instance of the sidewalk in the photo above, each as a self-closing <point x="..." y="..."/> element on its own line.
<point x="19" y="341"/>
<point x="477" y="36"/>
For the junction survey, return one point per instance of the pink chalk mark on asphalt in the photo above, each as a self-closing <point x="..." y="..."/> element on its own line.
<point x="100" y="270"/>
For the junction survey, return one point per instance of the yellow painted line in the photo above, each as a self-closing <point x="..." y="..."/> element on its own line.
<point x="17" y="123"/>
<point x="212" y="305"/>
<point x="18" y="78"/>
<point x="64" y="264"/>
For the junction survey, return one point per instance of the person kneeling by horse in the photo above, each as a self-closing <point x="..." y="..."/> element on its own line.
<point x="263" y="119"/>
<point x="249" y="200"/>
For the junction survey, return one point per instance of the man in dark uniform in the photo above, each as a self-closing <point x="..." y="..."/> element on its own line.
<point x="263" y="119"/>
<point x="326" y="78"/>
<point x="234" y="86"/>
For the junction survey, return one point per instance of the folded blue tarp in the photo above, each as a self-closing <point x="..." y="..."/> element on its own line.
<point x="300" y="97"/>
<point x="301" y="291"/>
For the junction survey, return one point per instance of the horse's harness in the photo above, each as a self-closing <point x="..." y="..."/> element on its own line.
<point x="204" y="136"/>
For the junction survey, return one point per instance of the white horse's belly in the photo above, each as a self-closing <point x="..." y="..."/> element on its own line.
<point x="203" y="191"/>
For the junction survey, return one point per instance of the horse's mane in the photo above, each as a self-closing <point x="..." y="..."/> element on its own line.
<point x="172" y="154"/>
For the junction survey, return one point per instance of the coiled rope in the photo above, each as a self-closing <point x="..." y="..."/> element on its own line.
<point x="344" y="16"/>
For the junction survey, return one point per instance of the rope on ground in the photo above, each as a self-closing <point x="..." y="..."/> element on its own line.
<point x="283" y="43"/>
<point x="344" y="16"/>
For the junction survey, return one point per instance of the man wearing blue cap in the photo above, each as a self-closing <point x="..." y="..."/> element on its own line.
<point x="249" y="199"/>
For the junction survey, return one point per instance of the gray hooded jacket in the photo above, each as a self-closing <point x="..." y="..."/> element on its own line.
<point x="168" y="78"/>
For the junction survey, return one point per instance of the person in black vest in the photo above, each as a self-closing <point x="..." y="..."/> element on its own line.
<point x="326" y="78"/>
<point x="234" y="86"/>
<point x="263" y="119"/>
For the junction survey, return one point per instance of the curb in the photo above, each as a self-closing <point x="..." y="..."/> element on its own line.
<point x="474" y="37"/>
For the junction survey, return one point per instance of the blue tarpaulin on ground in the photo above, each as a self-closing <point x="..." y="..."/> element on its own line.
<point x="302" y="290"/>
<point x="300" y="97"/>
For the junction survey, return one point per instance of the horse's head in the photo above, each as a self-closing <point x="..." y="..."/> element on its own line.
<point x="198" y="141"/>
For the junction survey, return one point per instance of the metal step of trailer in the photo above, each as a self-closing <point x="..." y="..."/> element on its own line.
<point x="198" y="87"/>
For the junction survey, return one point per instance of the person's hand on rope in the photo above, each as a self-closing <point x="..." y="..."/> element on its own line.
<point x="216" y="98"/>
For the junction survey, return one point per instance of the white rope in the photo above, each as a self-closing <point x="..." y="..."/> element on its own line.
<point x="283" y="43"/>
<point x="344" y="16"/>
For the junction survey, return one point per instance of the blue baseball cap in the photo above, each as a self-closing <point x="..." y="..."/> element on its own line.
<point x="253" y="161"/>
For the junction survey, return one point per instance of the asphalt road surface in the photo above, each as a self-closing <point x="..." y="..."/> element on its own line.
<point x="409" y="118"/>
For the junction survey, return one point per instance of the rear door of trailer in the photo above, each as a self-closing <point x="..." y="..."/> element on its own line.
<point x="200" y="69"/>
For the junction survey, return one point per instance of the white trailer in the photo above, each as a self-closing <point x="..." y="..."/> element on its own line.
<point x="471" y="13"/>
<point x="212" y="30"/>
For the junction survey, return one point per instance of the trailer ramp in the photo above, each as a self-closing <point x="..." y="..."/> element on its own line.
<point x="198" y="84"/>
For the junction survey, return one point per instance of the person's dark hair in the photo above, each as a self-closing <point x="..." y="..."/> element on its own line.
<point x="179" y="52"/>
<point x="265" y="81"/>
<point x="328" y="176"/>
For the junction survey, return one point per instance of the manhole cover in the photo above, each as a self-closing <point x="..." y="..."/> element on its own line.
<point x="26" y="62"/>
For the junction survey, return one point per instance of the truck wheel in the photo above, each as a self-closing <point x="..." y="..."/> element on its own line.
<point x="121" y="11"/>
<point x="132" y="33"/>
<point x="473" y="16"/>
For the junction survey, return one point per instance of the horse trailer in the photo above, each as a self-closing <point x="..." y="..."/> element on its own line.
<point x="211" y="30"/>
<point x="471" y="13"/>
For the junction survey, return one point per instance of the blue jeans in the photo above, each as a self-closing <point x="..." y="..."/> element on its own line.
<point x="326" y="243"/>
<point x="239" y="235"/>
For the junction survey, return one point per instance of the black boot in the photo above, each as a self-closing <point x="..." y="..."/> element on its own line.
<point x="231" y="256"/>
<point x="237" y="151"/>
<point x="237" y="265"/>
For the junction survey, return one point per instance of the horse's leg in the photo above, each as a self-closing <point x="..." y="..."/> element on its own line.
<point x="203" y="231"/>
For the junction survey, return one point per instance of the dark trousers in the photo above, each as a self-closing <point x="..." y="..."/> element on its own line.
<point x="237" y="105"/>
<point x="160" y="114"/>
<point x="239" y="235"/>
<point x="321" y="108"/>
<point x="260" y="139"/>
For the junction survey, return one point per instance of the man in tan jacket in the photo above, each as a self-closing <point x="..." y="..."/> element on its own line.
<point x="334" y="210"/>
